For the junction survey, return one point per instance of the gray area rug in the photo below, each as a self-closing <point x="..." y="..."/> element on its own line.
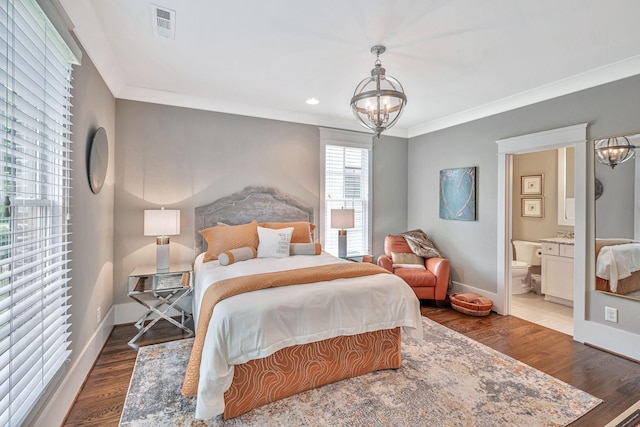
<point x="446" y="380"/>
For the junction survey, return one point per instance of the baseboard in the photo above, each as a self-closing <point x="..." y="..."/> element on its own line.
<point x="59" y="402"/>
<point x="461" y="287"/>
<point x="612" y="340"/>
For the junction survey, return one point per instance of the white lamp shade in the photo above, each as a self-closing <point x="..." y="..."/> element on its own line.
<point x="161" y="222"/>
<point x="342" y="218"/>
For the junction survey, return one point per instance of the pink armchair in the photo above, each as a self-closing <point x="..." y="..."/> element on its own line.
<point x="431" y="283"/>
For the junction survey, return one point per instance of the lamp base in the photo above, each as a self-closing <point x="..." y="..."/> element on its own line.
<point x="162" y="254"/>
<point x="342" y="243"/>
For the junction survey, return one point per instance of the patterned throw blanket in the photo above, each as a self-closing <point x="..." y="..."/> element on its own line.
<point x="420" y="244"/>
<point x="238" y="285"/>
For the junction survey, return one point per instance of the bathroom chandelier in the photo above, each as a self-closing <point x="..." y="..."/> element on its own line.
<point x="378" y="100"/>
<point x="614" y="151"/>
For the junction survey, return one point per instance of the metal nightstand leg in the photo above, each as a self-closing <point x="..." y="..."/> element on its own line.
<point x="163" y="299"/>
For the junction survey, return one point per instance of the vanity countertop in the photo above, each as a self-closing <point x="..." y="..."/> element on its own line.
<point x="563" y="240"/>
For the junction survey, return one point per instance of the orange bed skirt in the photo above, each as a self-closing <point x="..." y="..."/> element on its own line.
<point x="299" y="368"/>
<point x="625" y="286"/>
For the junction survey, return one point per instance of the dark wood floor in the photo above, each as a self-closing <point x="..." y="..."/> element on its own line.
<point x="611" y="378"/>
<point x="101" y="399"/>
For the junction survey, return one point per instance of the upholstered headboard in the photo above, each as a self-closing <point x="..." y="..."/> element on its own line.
<point x="260" y="203"/>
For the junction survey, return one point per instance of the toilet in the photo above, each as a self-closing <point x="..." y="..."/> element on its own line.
<point x="527" y="254"/>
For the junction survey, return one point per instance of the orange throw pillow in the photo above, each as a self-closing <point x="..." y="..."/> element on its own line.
<point x="226" y="237"/>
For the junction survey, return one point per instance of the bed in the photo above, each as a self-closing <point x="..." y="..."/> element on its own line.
<point x="257" y="347"/>
<point x="618" y="266"/>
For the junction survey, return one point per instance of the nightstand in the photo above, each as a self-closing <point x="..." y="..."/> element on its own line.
<point x="161" y="293"/>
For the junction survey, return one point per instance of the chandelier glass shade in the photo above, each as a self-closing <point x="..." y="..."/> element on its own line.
<point x="614" y="151"/>
<point x="379" y="100"/>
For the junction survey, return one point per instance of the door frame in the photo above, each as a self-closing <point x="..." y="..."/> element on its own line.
<point x="576" y="136"/>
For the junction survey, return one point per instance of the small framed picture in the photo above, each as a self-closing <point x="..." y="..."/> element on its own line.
<point x="531" y="185"/>
<point x="533" y="208"/>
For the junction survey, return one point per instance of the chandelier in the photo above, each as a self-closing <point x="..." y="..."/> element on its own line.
<point x="378" y="100"/>
<point x="614" y="151"/>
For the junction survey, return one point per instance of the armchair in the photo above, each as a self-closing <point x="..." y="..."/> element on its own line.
<point x="431" y="283"/>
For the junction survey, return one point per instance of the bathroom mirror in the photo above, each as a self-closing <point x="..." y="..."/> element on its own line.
<point x="617" y="224"/>
<point x="566" y="197"/>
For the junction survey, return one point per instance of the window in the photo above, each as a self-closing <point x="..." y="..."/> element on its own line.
<point x="346" y="183"/>
<point x="35" y="83"/>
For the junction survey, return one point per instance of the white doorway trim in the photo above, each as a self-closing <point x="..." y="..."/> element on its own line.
<point x="556" y="138"/>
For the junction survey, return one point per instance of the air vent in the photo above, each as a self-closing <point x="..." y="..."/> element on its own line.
<point x="164" y="21"/>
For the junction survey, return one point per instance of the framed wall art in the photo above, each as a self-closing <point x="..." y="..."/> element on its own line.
<point x="458" y="194"/>
<point x="533" y="208"/>
<point x="531" y="185"/>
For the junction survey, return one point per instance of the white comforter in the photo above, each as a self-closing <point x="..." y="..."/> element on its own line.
<point x="257" y="324"/>
<point x="617" y="262"/>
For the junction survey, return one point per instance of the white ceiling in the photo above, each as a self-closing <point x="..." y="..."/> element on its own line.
<point x="458" y="60"/>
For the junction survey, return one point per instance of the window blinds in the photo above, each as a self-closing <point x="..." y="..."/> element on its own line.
<point x="347" y="186"/>
<point x="35" y="84"/>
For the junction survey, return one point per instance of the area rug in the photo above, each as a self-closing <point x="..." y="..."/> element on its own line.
<point x="445" y="380"/>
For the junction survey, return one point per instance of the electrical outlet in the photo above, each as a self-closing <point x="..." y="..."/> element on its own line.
<point x="611" y="314"/>
<point x="98" y="315"/>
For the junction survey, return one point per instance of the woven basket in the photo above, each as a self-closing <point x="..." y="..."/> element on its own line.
<point x="472" y="309"/>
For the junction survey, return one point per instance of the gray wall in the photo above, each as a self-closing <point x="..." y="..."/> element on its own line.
<point x="614" y="209"/>
<point x="91" y="214"/>
<point x="469" y="245"/>
<point x="181" y="158"/>
<point x="390" y="157"/>
<point x="610" y="109"/>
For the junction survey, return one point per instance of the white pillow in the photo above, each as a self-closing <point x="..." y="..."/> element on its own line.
<point x="274" y="243"/>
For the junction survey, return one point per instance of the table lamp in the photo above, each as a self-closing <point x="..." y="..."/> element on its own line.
<point x="342" y="219"/>
<point x="162" y="223"/>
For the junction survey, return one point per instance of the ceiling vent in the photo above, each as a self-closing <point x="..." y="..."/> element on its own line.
<point x="164" y="21"/>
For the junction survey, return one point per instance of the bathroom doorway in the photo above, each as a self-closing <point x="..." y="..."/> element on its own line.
<point x="534" y="224"/>
<point x="570" y="136"/>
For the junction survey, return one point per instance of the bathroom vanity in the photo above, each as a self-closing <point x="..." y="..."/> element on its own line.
<point x="557" y="270"/>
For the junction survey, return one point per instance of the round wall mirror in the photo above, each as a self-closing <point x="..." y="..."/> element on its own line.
<point x="98" y="160"/>
<point x="599" y="188"/>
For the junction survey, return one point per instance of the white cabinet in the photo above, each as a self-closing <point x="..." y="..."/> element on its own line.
<point x="557" y="272"/>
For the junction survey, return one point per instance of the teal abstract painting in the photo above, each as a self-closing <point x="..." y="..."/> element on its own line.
<point x="458" y="194"/>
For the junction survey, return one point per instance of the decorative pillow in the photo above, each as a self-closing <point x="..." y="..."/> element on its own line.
<point x="406" y="258"/>
<point x="302" y="230"/>
<point x="226" y="237"/>
<point x="414" y="266"/>
<point x="274" y="243"/>
<point x="305" y="249"/>
<point x="235" y="255"/>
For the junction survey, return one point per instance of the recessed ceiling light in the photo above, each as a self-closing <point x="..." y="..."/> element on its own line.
<point x="312" y="101"/>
